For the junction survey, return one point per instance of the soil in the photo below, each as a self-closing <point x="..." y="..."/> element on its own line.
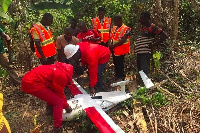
<point x="181" y="114"/>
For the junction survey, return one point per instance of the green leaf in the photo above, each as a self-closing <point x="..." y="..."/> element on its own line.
<point x="131" y="73"/>
<point x="5" y="74"/>
<point x="34" y="120"/>
<point x="5" y="4"/>
<point x="198" y="79"/>
<point x="141" y="90"/>
<point x="3" y="15"/>
<point x="158" y="55"/>
<point x="158" y="99"/>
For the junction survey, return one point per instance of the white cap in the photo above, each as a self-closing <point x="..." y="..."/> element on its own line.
<point x="70" y="50"/>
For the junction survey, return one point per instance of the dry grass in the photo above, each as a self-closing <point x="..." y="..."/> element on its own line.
<point x="182" y="115"/>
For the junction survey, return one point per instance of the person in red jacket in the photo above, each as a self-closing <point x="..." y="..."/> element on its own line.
<point x="93" y="55"/>
<point x="47" y="82"/>
<point x="88" y="35"/>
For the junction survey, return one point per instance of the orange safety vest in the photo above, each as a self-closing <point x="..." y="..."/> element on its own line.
<point x="116" y="36"/>
<point x="47" y="42"/>
<point x="104" y="29"/>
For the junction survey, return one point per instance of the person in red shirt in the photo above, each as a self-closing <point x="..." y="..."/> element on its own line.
<point x="47" y="82"/>
<point x="88" y="35"/>
<point x="93" y="55"/>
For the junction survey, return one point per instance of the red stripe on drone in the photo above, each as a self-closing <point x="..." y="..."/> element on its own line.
<point x="74" y="90"/>
<point x="98" y="120"/>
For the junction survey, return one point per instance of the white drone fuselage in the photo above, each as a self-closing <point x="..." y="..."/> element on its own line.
<point x="106" y="102"/>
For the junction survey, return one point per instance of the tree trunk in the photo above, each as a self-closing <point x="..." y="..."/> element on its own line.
<point x="175" y="20"/>
<point x="158" y="6"/>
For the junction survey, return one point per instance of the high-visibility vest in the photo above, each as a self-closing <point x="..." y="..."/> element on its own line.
<point x="116" y="36"/>
<point x="104" y="29"/>
<point x="46" y="38"/>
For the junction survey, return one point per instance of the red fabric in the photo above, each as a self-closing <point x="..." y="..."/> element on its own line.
<point x="98" y="120"/>
<point x="87" y="35"/>
<point x="55" y="77"/>
<point x="74" y="89"/>
<point x="55" y="101"/>
<point x="117" y="36"/>
<point x="93" y="55"/>
<point x="104" y="29"/>
<point x="152" y="28"/>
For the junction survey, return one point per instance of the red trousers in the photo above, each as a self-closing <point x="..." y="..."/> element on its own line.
<point x="54" y="100"/>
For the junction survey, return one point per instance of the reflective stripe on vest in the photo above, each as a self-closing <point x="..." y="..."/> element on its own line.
<point x="47" y="42"/>
<point x="40" y="31"/>
<point x="116" y="35"/>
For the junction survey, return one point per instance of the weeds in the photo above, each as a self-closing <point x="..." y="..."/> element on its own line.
<point x="156" y="58"/>
<point x="157" y="99"/>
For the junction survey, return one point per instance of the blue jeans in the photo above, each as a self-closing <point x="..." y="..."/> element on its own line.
<point x="99" y="83"/>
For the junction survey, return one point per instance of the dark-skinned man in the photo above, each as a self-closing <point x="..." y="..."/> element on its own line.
<point x="4" y="61"/>
<point x="145" y="42"/>
<point x="64" y="40"/>
<point x="119" y="46"/>
<point x="73" y="26"/>
<point x="102" y="24"/>
<point x="43" y="38"/>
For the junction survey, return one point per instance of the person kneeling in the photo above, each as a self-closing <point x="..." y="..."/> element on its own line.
<point x="47" y="82"/>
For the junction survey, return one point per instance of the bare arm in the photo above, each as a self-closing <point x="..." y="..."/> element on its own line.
<point x="59" y="57"/>
<point x="122" y="41"/>
<point x="43" y="58"/>
<point x="8" y="39"/>
<point x="162" y="37"/>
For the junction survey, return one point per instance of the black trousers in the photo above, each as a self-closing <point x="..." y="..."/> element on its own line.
<point x="119" y="66"/>
<point x="143" y="62"/>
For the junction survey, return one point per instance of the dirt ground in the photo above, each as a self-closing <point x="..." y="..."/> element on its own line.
<point x="181" y="115"/>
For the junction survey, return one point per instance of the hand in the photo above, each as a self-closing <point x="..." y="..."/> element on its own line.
<point x="111" y="47"/>
<point x="44" y="60"/>
<point x="8" y="42"/>
<point x="152" y="46"/>
<point x="92" y="91"/>
<point x="68" y="110"/>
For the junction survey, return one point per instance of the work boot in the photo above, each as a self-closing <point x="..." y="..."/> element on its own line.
<point x="57" y="130"/>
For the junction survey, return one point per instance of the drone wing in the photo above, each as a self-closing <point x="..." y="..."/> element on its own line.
<point x="96" y="114"/>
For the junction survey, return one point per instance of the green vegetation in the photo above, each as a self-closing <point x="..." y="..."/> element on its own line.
<point x="156" y="58"/>
<point x="178" y="59"/>
<point x="157" y="99"/>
